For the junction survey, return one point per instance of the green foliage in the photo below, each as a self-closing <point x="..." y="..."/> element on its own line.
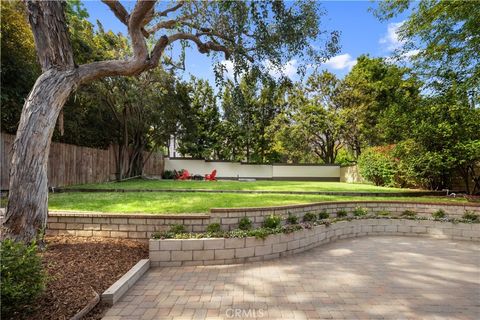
<point x="214" y="227"/>
<point x="342" y="213"/>
<point x="309" y="217"/>
<point x="18" y="62"/>
<point x="22" y="276"/>
<point x="309" y="129"/>
<point x="439" y="214"/>
<point x="359" y="212"/>
<point x="292" y="219"/>
<point x="445" y="35"/>
<point x="168" y="174"/>
<point x="177" y="228"/>
<point x="323" y="215"/>
<point x="245" y="223"/>
<point x="409" y="214"/>
<point x="377" y="165"/>
<point x="272" y="221"/>
<point x="470" y="215"/>
<point x="377" y="99"/>
<point x="383" y="213"/>
<point x="201" y="136"/>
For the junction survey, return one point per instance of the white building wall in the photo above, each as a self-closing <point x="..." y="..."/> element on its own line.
<point x="233" y="170"/>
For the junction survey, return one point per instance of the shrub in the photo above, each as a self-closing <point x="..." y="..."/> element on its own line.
<point x="342" y="213"/>
<point x="383" y="213"/>
<point x="377" y="165"/>
<point x="439" y="214"/>
<point x="22" y="276"/>
<point x="309" y="217"/>
<point x="408" y="214"/>
<point x="214" y="227"/>
<point x="168" y="174"/>
<point x="245" y="223"/>
<point x="272" y="221"/>
<point x="292" y="219"/>
<point x="470" y="215"/>
<point x="177" y="228"/>
<point x="323" y="215"/>
<point x="360" y="212"/>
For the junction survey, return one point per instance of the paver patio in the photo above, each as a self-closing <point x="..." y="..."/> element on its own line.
<point x="364" y="278"/>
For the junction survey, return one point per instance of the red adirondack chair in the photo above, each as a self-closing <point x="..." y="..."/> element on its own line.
<point x="211" y="176"/>
<point x="185" y="175"/>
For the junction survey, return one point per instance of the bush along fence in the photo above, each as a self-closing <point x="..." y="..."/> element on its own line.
<point x="239" y="247"/>
<point x="141" y="227"/>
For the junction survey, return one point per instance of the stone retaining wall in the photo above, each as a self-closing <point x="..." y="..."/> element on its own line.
<point x="230" y="217"/>
<point x="173" y="252"/>
<point x="141" y="226"/>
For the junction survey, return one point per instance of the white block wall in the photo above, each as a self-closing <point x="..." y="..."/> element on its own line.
<point x="258" y="171"/>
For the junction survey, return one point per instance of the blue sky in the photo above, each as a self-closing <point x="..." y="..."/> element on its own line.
<point x="361" y="33"/>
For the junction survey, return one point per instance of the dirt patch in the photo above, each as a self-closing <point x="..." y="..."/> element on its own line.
<point x="77" y="265"/>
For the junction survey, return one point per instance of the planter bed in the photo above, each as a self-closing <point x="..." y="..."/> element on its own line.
<point x="208" y="251"/>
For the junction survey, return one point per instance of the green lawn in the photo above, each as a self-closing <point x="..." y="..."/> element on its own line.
<point x="237" y="185"/>
<point x="171" y="202"/>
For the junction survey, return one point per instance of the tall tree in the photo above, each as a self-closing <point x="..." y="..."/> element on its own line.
<point x="311" y="127"/>
<point x="440" y="37"/>
<point x="201" y="135"/>
<point x="377" y="99"/>
<point x="243" y="31"/>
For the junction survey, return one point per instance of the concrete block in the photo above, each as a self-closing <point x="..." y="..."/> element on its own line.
<point x="224" y="254"/>
<point x="181" y="255"/>
<point x="170" y="244"/>
<point x="213" y="244"/>
<point x="192" y="244"/>
<point x="203" y="255"/>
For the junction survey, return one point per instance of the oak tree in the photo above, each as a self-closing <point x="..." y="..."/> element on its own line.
<point x="248" y="33"/>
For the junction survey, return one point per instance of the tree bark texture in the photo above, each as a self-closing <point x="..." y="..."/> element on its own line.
<point x="27" y="203"/>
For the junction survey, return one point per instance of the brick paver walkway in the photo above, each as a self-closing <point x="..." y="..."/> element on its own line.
<point x="364" y="278"/>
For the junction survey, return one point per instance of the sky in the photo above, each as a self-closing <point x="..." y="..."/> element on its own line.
<point x="361" y="33"/>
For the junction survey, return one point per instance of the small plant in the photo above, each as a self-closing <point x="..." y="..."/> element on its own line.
<point x="292" y="219"/>
<point x="168" y="174"/>
<point x="323" y="215"/>
<point x="439" y="214"/>
<point x="272" y="221"/>
<point x="214" y="227"/>
<point x="360" y="212"/>
<point x="470" y="215"/>
<point x="22" y="276"/>
<point x="177" y="228"/>
<point x="245" y="223"/>
<point x="342" y="213"/>
<point x="383" y="213"/>
<point x="408" y="214"/>
<point x="309" y="217"/>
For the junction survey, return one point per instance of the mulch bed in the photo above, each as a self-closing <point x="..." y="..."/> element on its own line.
<point x="77" y="265"/>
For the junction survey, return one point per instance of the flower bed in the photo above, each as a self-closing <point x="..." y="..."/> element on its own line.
<point x="268" y="243"/>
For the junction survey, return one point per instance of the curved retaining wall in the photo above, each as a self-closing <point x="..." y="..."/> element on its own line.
<point x="189" y="252"/>
<point x="141" y="226"/>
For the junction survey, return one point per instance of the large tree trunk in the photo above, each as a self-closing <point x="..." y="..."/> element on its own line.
<point x="28" y="196"/>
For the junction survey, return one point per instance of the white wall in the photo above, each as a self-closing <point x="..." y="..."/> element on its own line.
<point x="306" y="171"/>
<point x="261" y="171"/>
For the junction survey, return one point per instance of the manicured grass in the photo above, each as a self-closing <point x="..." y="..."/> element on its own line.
<point x="171" y="202"/>
<point x="237" y="185"/>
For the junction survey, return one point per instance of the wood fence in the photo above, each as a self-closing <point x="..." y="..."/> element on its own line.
<point x="69" y="164"/>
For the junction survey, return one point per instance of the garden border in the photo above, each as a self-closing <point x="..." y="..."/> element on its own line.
<point x="215" y="251"/>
